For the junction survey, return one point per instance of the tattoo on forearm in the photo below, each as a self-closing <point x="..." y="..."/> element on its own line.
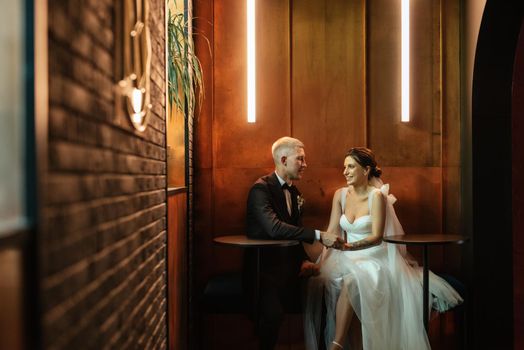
<point x="363" y="244"/>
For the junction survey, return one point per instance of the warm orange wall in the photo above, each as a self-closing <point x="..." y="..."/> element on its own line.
<point x="176" y="148"/>
<point x="203" y="145"/>
<point x="452" y="163"/>
<point x="328" y="72"/>
<point x="418" y="142"/>
<point x="317" y="84"/>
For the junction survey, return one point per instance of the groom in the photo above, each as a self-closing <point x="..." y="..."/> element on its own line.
<point x="274" y="212"/>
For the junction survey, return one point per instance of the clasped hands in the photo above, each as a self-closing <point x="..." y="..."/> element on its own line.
<point x="332" y="240"/>
<point x="329" y="240"/>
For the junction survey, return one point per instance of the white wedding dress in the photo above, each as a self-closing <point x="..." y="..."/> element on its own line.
<point x="384" y="287"/>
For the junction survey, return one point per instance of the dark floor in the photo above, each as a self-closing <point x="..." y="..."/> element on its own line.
<point x="235" y="331"/>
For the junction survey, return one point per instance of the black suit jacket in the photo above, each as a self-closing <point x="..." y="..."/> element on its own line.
<point x="268" y="218"/>
<point x="267" y="215"/>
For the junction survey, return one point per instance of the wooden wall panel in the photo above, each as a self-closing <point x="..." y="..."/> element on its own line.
<point x="424" y="84"/>
<point x="204" y="43"/>
<point x="176" y="149"/>
<point x="238" y="143"/>
<point x="231" y="188"/>
<point x="273" y="71"/>
<point x="230" y="196"/>
<point x="177" y="270"/>
<point x="383" y="77"/>
<point x="419" y="201"/>
<point x="416" y="143"/>
<point x="203" y="225"/>
<point x="203" y="146"/>
<point x="451" y="131"/>
<point x="328" y="78"/>
<point x="229" y="75"/>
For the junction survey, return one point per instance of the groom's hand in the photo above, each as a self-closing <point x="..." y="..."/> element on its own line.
<point x="309" y="269"/>
<point x="331" y="240"/>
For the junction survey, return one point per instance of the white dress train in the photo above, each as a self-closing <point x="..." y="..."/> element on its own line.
<point x="383" y="285"/>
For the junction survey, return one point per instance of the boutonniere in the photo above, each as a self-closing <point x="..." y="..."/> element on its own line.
<point x="300" y="202"/>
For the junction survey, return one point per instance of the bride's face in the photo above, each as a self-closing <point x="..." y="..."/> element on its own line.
<point x="354" y="173"/>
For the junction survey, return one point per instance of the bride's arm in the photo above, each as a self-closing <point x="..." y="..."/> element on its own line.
<point x="336" y="212"/>
<point x="378" y="220"/>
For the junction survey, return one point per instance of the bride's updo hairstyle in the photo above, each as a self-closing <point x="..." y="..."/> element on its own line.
<point x="365" y="157"/>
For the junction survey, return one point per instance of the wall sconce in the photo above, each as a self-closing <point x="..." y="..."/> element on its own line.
<point x="133" y="61"/>
<point x="405" y="61"/>
<point x="251" y="63"/>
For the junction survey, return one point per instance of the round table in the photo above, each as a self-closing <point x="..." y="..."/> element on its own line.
<point x="245" y="242"/>
<point x="426" y="240"/>
<point x="242" y="241"/>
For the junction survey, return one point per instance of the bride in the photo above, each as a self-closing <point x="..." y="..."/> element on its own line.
<point x="372" y="291"/>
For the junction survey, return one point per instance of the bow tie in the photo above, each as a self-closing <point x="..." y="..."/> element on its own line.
<point x="285" y="186"/>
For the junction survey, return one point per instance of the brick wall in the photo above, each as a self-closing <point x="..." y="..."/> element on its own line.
<point x="102" y="245"/>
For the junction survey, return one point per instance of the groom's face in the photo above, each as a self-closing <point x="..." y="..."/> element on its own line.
<point x="295" y="163"/>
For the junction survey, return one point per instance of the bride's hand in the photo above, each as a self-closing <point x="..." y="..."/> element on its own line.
<point x="347" y="246"/>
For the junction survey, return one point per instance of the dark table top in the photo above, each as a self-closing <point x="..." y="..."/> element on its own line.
<point x="426" y="239"/>
<point x="244" y="241"/>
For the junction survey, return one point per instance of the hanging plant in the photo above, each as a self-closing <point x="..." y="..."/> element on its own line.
<point x="185" y="82"/>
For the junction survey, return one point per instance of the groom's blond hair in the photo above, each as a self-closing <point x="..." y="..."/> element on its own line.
<point x="285" y="146"/>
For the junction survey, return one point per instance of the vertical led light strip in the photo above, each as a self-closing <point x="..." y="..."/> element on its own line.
<point x="405" y="61"/>
<point x="251" y="65"/>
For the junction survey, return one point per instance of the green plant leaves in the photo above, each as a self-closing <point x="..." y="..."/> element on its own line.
<point x="185" y="78"/>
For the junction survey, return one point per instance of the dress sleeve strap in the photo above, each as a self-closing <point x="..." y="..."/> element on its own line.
<point x="343" y="194"/>
<point x="370" y="198"/>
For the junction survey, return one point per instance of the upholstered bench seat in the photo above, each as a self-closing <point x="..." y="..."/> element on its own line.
<point x="224" y="294"/>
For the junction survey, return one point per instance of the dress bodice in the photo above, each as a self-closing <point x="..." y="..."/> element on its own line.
<point x="361" y="226"/>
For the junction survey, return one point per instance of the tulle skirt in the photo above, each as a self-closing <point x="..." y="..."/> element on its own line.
<point x="385" y="291"/>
